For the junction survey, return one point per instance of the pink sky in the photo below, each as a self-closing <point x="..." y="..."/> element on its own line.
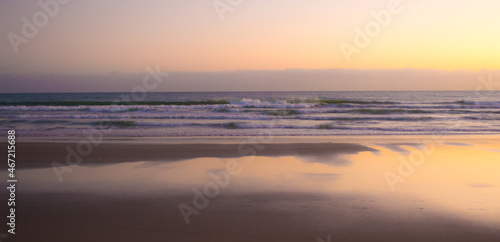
<point x="102" y="37"/>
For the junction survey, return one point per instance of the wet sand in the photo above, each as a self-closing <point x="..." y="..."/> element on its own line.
<point x="43" y="154"/>
<point x="287" y="192"/>
<point x="251" y="217"/>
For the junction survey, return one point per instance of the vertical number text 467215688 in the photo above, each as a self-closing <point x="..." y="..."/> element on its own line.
<point x="12" y="180"/>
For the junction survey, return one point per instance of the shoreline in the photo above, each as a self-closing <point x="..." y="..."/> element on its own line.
<point x="274" y="138"/>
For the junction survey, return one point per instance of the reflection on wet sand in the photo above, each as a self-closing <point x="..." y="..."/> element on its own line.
<point x="455" y="186"/>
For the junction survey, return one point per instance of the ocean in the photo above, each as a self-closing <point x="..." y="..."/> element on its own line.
<point x="251" y="113"/>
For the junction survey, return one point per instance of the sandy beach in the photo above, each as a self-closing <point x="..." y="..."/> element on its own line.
<point x="250" y="121"/>
<point x="317" y="189"/>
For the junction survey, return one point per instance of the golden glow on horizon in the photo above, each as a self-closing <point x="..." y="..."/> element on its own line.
<point x="258" y="35"/>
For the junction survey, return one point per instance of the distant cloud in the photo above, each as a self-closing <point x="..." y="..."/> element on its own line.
<point x="480" y="185"/>
<point x="271" y="80"/>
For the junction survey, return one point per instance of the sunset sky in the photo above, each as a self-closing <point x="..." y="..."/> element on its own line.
<point x="101" y="37"/>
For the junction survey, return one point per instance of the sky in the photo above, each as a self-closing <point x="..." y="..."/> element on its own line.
<point x="80" y="40"/>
